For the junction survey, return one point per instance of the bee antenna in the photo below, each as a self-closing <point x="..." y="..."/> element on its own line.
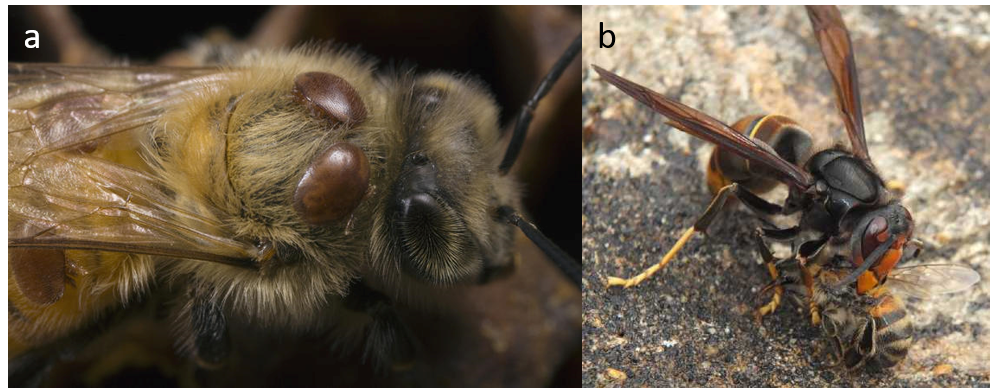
<point x="563" y="261"/>
<point x="526" y="115"/>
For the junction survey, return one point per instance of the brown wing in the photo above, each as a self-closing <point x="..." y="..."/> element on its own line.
<point x="837" y="48"/>
<point x="709" y="129"/>
<point x="62" y="195"/>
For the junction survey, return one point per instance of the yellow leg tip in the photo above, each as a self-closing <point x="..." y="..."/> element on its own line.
<point x="614" y="281"/>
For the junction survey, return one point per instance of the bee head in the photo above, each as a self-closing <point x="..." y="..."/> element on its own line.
<point x="437" y="223"/>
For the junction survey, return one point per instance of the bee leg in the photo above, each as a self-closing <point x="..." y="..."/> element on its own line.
<point x="837" y="353"/>
<point x="778" y="290"/>
<point x="388" y="340"/>
<point x="212" y="341"/>
<point x="836" y="347"/>
<point x="862" y="351"/>
<point x="700" y="226"/>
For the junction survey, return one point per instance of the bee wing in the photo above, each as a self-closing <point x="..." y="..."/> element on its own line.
<point x="833" y="38"/>
<point x="926" y="281"/>
<point x="63" y="198"/>
<point x="707" y="128"/>
<point x="54" y="107"/>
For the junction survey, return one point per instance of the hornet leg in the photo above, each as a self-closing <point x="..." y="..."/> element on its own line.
<point x="746" y="197"/>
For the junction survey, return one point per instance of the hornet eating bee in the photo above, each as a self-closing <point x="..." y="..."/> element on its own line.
<point x="280" y="190"/>
<point x="873" y="329"/>
<point x="848" y="230"/>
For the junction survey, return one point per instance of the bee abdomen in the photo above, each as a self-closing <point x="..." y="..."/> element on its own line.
<point x="893" y="321"/>
<point x="894" y="333"/>
<point x="891" y="354"/>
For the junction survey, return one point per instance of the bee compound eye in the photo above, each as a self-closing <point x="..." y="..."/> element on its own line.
<point x="333" y="185"/>
<point x="328" y="95"/>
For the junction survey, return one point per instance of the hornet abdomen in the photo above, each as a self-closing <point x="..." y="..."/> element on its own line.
<point x="781" y="133"/>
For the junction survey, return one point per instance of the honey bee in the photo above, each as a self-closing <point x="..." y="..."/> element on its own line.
<point x="872" y="330"/>
<point x="281" y="190"/>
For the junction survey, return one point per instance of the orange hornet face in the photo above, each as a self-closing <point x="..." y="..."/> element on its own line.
<point x="877" y="232"/>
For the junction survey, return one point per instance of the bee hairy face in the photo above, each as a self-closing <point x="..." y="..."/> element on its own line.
<point x="438" y="222"/>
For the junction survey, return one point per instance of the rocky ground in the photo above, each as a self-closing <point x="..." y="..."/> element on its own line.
<point x="925" y="81"/>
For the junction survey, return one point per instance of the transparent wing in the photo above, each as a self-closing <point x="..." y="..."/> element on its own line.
<point x="57" y="107"/>
<point x="64" y="195"/>
<point x="926" y="281"/>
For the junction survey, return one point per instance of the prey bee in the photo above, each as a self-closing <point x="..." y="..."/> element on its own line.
<point x="846" y="215"/>
<point x="872" y="330"/>
<point x="278" y="192"/>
